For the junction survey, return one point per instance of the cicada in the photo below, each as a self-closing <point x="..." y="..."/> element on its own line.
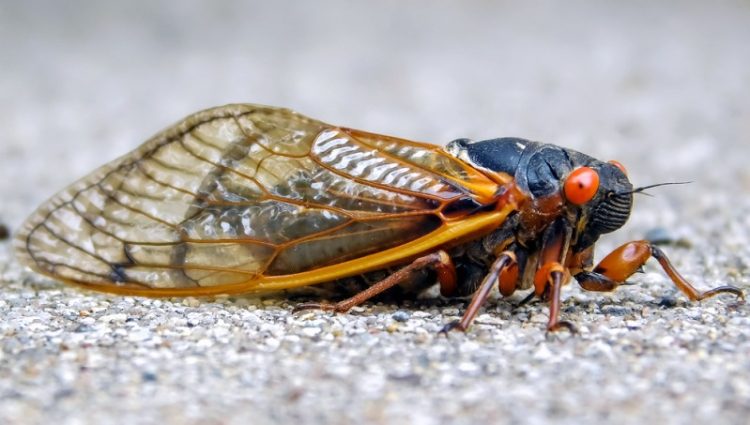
<point x="248" y="199"/>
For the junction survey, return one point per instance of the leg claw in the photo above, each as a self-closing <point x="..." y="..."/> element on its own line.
<point x="454" y="325"/>
<point x="728" y="289"/>
<point x="562" y="324"/>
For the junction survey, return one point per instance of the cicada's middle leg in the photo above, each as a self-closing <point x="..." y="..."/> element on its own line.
<point x="552" y="274"/>
<point x="502" y="269"/>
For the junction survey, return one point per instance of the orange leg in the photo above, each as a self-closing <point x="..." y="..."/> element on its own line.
<point x="621" y="263"/>
<point x="547" y="283"/>
<point x="551" y="274"/>
<point x="440" y="261"/>
<point x="501" y="265"/>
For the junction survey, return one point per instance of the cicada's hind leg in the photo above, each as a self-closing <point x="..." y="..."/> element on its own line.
<point x="621" y="263"/>
<point x="502" y="265"/>
<point x="439" y="261"/>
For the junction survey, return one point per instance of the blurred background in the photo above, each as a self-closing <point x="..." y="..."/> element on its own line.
<point x="658" y="85"/>
<point x="664" y="87"/>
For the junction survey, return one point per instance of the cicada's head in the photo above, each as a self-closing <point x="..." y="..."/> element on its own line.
<point x="595" y="197"/>
<point x="601" y="196"/>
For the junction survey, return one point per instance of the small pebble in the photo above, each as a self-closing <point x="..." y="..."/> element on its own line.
<point x="668" y="302"/>
<point x="149" y="377"/>
<point x="401" y="316"/>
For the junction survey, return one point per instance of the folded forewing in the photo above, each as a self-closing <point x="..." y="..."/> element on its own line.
<point x="241" y="194"/>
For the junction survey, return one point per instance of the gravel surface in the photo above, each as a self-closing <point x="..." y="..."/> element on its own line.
<point x="663" y="88"/>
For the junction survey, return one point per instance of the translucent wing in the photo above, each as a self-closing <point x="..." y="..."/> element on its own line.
<point x="242" y="198"/>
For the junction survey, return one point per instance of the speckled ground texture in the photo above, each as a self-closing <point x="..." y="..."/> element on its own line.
<point x="663" y="88"/>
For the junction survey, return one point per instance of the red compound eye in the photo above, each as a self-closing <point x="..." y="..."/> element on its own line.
<point x="619" y="165"/>
<point x="581" y="185"/>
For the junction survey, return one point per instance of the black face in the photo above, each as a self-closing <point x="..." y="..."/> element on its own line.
<point x="542" y="170"/>
<point x="610" y="208"/>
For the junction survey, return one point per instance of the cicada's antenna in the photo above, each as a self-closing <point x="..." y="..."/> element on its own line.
<point x="642" y="189"/>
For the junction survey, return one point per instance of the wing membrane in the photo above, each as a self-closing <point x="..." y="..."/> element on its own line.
<point x="240" y="196"/>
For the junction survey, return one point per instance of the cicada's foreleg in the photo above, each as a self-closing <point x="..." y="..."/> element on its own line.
<point x="439" y="261"/>
<point x="621" y="263"/>
<point x="503" y="264"/>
